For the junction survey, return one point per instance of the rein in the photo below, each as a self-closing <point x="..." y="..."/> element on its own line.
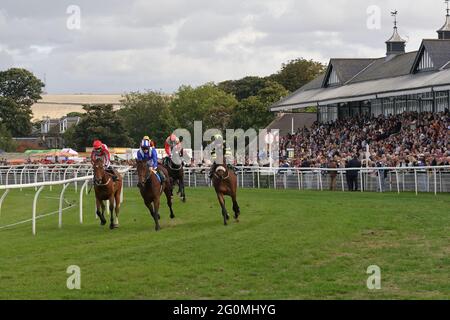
<point x="147" y="178"/>
<point x="102" y="184"/>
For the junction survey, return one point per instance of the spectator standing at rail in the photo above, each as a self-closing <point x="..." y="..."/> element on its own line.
<point x="353" y="174"/>
<point x="332" y="164"/>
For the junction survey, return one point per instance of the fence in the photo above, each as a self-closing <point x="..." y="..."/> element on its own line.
<point x="47" y="176"/>
<point x="409" y="179"/>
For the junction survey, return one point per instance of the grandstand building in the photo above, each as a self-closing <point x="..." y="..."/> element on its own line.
<point x="393" y="84"/>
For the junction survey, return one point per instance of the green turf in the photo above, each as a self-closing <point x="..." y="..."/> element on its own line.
<point x="288" y="245"/>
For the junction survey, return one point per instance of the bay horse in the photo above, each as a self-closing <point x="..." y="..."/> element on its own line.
<point x="176" y="174"/>
<point x="106" y="189"/>
<point x="151" y="190"/>
<point x="225" y="184"/>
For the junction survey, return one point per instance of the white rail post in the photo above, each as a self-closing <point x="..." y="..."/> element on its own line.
<point x="361" y="178"/>
<point x="2" y="199"/>
<point x="398" y="182"/>
<point x="298" y="180"/>
<point x="81" y="200"/>
<point x="342" y="180"/>
<point x="435" y="182"/>
<point x="379" y="180"/>
<point x="258" y="178"/>
<point x="274" y="180"/>
<point x="415" y="182"/>
<point x="61" y="200"/>
<point x="21" y="175"/>
<point x="36" y="196"/>
<point x="7" y="175"/>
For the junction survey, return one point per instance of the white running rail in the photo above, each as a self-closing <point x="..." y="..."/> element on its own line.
<point x="39" y="186"/>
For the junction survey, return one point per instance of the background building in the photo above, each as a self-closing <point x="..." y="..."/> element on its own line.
<point x="399" y="82"/>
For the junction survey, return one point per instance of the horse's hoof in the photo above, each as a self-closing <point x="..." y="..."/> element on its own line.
<point x="184" y="200"/>
<point x="158" y="228"/>
<point x="172" y="217"/>
<point x="113" y="226"/>
<point x="102" y="223"/>
<point x="228" y="217"/>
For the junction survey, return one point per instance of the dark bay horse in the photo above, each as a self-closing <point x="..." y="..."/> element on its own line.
<point x="224" y="181"/>
<point x="151" y="190"/>
<point x="176" y="174"/>
<point x="106" y="189"/>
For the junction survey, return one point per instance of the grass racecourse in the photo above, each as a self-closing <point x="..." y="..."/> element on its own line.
<point x="288" y="245"/>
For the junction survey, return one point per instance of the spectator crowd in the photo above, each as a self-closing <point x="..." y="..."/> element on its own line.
<point x="406" y="140"/>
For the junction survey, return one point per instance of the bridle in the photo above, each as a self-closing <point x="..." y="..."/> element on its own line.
<point x="221" y="168"/>
<point x="96" y="183"/>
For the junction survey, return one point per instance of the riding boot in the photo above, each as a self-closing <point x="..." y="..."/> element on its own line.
<point x="113" y="173"/>
<point x="162" y="176"/>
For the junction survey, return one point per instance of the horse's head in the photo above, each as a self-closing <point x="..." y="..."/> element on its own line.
<point x="142" y="172"/>
<point x="99" y="171"/>
<point x="221" y="172"/>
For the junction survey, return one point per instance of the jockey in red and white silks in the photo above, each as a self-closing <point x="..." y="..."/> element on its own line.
<point x="101" y="151"/>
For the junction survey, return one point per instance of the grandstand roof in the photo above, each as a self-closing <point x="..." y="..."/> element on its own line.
<point x="347" y="80"/>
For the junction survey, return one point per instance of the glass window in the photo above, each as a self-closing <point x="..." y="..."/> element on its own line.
<point x="441" y="101"/>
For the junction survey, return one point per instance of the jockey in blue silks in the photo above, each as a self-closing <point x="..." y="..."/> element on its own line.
<point x="149" y="154"/>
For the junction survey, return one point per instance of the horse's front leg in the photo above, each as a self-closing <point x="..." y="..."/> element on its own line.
<point x="168" y="193"/>
<point x="117" y="206"/>
<point x="236" y="209"/>
<point x="182" y="192"/>
<point x="154" y="215"/>
<point x="225" y="215"/>
<point x="112" y="225"/>
<point x="101" y="214"/>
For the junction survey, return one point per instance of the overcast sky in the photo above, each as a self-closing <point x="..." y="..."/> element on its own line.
<point x="134" y="45"/>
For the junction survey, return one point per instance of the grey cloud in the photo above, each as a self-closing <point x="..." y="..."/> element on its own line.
<point x="155" y="44"/>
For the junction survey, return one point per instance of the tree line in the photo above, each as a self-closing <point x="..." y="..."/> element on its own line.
<point x="242" y="104"/>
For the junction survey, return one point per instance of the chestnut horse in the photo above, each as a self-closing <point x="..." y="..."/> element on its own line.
<point x="106" y="189"/>
<point x="176" y="174"/>
<point x="151" y="190"/>
<point x="225" y="184"/>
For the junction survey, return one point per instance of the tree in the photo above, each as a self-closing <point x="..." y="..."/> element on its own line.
<point x="19" y="90"/>
<point x="296" y="73"/>
<point x="6" y="142"/>
<point x="147" y="114"/>
<point x="206" y="103"/>
<point x="99" y="122"/>
<point x="74" y="114"/>
<point x="254" y="112"/>
<point x="21" y="86"/>
<point x="16" y="118"/>
<point x="243" y="88"/>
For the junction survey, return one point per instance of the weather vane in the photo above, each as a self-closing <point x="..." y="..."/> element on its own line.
<point x="448" y="8"/>
<point x="394" y="14"/>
